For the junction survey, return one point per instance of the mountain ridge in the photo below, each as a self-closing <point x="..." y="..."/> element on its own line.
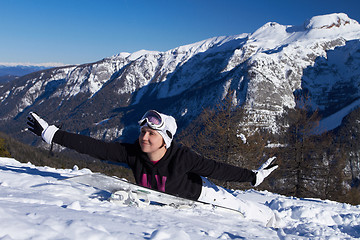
<point x="263" y="70"/>
<point x="13" y="70"/>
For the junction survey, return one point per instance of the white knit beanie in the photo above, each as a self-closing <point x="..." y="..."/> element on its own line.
<point x="169" y="129"/>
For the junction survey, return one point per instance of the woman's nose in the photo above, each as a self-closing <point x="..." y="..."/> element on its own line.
<point x="145" y="136"/>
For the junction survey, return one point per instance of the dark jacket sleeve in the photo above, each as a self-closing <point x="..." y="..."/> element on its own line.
<point x="111" y="151"/>
<point x="218" y="170"/>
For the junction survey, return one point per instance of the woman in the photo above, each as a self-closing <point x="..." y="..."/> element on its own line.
<point x="155" y="160"/>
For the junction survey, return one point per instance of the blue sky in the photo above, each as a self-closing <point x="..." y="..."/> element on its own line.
<point x="83" y="31"/>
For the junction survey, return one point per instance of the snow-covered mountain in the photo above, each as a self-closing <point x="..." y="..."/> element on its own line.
<point x="39" y="203"/>
<point x="263" y="68"/>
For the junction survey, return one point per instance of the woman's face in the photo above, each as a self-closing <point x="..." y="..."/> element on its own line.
<point x="150" y="140"/>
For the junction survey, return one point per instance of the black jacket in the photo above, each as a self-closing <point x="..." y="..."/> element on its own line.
<point x="177" y="173"/>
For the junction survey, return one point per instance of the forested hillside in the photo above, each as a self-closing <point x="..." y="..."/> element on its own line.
<point x="312" y="165"/>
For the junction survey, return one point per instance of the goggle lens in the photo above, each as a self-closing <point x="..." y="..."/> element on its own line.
<point x="153" y="119"/>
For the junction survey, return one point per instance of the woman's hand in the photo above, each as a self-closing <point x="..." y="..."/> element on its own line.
<point x="264" y="171"/>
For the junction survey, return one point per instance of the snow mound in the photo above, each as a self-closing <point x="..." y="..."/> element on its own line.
<point x="41" y="203"/>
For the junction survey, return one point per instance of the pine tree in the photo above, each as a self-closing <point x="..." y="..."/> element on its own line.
<point x="220" y="134"/>
<point x="349" y="139"/>
<point x="348" y="143"/>
<point x="213" y="133"/>
<point x="334" y="187"/>
<point x="303" y="164"/>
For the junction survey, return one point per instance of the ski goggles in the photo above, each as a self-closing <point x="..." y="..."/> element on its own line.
<point x="153" y="119"/>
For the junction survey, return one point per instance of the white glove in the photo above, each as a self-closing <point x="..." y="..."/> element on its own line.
<point x="264" y="171"/>
<point x="41" y="128"/>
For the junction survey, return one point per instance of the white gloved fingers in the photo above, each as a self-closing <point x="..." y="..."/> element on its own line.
<point x="264" y="171"/>
<point x="36" y="124"/>
<point x="267" y="163"/>
<point x="270" y="170"/>
<point x="41" y="121"/>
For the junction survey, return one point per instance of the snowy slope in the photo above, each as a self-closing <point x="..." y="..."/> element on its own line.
<point x="335" y="119"/>
<point x="37" y="203"/>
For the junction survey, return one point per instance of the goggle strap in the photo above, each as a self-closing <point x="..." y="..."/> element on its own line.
<point x="169" y="134"/>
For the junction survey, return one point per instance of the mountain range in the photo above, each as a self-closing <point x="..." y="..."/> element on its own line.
<point x="10" y="71"/>
<point x="263" y="69"/>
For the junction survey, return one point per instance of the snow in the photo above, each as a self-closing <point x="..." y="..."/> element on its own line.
<point x="138" y="54"/>
<point x="39" y="203"/>
<point x="334" y="120"/>
<point x="2" y="98"/>
<point x="102" y="121"/>
<point x="273" y="35"/>
<point x="329" y="21"/>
